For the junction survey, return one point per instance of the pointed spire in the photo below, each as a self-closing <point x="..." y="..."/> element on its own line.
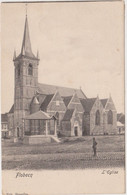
<point x="26" y="44"/>
<point x="35" y="101"/>
<point x="26" y="49"/>
<point x="14" y="57"/>
<point x="26" y="9"/>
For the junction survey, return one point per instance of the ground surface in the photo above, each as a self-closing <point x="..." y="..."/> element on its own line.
<point x="71" y="153"/>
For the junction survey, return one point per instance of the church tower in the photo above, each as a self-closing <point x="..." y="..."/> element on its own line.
<point x="26" y="80"/>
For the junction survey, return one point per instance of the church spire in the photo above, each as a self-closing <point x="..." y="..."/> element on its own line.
<point x="26" y="49"/>
<point x="14" y="57"/>
<point x="26" y="44"/>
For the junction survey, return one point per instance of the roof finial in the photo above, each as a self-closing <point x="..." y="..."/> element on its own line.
<point x="26" y="9"/>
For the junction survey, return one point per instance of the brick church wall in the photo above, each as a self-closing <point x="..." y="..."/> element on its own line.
<point x="110" y="128"/>
<point x="96" y="129"/>
<point x="56" y="105"/>
<point x="66" y="128"/>
<point x="86" y="124"/>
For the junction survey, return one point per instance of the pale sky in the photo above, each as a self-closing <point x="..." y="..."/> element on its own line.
<point x="79" y="43"/>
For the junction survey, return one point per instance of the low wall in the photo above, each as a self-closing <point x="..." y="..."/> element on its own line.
<point x="36" y="139"/>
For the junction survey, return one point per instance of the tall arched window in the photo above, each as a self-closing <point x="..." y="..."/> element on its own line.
<point x="97" y="118"/>
<point x="57" y="117"/>
<point x="30" y="69"/>
<point x="110" y="117"/>
<point x="18" y="70"/>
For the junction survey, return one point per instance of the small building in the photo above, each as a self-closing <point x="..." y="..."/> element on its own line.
<point x="5" y="133"/>
<point x="120" y="128"/>
<point x="121" y="123"/>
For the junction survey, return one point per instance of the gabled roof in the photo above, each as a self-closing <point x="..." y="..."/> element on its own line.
<point x="121" y="118"/>
<point x="41" y="98"/>
<point x="64" y="91"/>
<point x="67" y="100"/>
<point x="46" y="102"/>
<point x="12" y="109"/>
<point x="88" y="104"/>
<point x="4" y="118"/>
<point x="104" y="101"/>
<point x="68" y="115"/>
<point x="40" y="115"/>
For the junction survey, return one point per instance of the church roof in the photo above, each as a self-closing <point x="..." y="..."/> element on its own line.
<point x="26" y="49"/>
<point x="88" y="103"/>
<point x="46" y="102"/>
<point x="68" y="115"/>
<point x="104" y="101"/>
<point x="67" y="100"/>
<point x="12" y="109"/>
<point x="40" y="115"/>
<point x="64" y="91"/>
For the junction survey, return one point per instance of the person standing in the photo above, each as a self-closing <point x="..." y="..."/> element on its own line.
<point x="94" y="146"/>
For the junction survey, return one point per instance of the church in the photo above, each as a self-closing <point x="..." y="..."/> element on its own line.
<point x="42" y="109"/>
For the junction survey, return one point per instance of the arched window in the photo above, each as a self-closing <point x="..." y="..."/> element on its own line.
<point x="17" y="131"/>
<point x="18" y="70"/>
<point x="97" y="118"/>
<point x="110" y="117"/>
<point x="57" y="117"/>
<point x="30" y="69"/>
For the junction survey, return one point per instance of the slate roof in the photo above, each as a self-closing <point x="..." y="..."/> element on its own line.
<point x="12" y="109"/>
<point x="68" y="115"/>
<point x="67" y="100"/>
<point x="121" y="118"/>
<point x="104" y="101"/>
<point x="64" y="91"/>
<point x="46" y="102"/>
<point x="88" y="104"/>
<point x="4" y="118"/>
<point x="40" y="115"/>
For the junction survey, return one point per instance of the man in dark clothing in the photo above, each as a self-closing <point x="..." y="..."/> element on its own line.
<point x="94" y="146"/>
